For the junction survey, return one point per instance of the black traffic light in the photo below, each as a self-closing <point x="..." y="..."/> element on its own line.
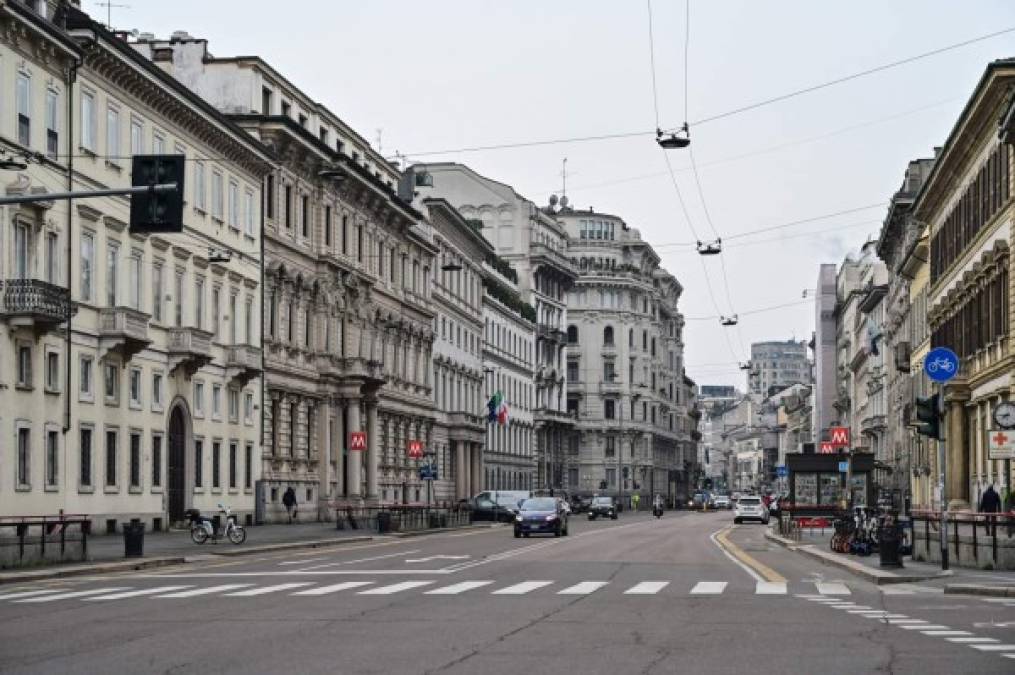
<point x="157" y="211"/>
<point x="929" y="423"/>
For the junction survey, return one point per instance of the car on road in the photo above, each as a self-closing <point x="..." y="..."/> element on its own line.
<point x="602" y="506"/>
<point x="541" y="515"/>
<point x="750" y="507"/>
<point x="501" y="507"/>
<point x="721" y="501"/>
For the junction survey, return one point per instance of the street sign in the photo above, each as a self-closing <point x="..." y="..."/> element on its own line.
<point x="1001" y="444"/>
<point x="843" y="467"/>
<point x="839" y="437"/>
<point x="826" y="448"/>
<point x="428" y="472"/>
<point x="415" y="450"/>
<point x="357" y="440"/>
<point x="941" y="364"/>
<point x="782" y="471"/>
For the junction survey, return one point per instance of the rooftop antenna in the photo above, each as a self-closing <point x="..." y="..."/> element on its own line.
<point x="563" y="175"/>
<point x="109" y="5"/>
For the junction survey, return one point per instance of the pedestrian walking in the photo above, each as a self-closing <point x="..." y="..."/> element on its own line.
<point x="990" y="502"/>
<point x="289" y="501"/>
<point x="635" y="498"/>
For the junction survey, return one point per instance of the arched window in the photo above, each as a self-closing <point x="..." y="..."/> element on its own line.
<point x="608" y="336"/>
<point x="572" y="335"/>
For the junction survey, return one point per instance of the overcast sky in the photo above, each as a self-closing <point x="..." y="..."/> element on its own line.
<point x="445" y="74"/>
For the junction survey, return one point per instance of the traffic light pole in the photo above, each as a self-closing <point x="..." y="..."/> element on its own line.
<point x="83" y="194"/>
<point x="943" y="466"/>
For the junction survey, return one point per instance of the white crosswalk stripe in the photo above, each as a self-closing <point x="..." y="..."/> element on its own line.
<point x="647" y="588"/>
<point x="832" y="588"/>
<point x="203" y="591"/>
<point x="522" y="588"/>
<point x="455" y="589"/>
<point x="922" y="627"/>
<point x="770" y="588"/>
<point x="994" y="648"/>
<point x="333" y="588"/>
<point x="25" y="594"/>
<point x="583" y="588"/>
<point x="267" y="589"/>
<point x="395" y="588"/>
<point x="971" y="640"/>
<point x="73" y="594"/>
<point x="135" y="594"/>
<point x="894" y="590"/>
<point x="708" y="588"/>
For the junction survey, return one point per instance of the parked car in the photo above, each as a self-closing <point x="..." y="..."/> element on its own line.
<point x="602" y="506"/>
<point x="721" y="501"/>
<point x="541" y="515"/>
<point x="486" y="508"/>
<point x="750" y="507"/>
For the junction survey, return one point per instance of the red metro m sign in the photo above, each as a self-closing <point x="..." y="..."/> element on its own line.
<point x="838" y="437"/>
<point x="357" y="440"/>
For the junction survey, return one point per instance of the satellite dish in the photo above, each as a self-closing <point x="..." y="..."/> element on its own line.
<point x="553" y="200"/>
<point x="563" y="202"/>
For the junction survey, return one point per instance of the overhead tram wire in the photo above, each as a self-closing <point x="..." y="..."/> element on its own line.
<point x="759" y="310"/>
<point x="728" y="113"/>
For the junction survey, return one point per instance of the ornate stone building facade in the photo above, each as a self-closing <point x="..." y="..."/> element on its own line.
<point x="142" y="400"/>
<point x="348" y="310"/>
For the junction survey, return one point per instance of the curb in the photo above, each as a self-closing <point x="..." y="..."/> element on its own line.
<point x="878" y="577"/>
<point x="423" y="533"/>
<point x="287" y="546"/>
<point x="84" y="570"/>
<point x="977" y="589"/>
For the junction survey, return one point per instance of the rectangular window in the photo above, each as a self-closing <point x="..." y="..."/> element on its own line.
<point x="234" y="205"/>
<point x="609" y="409"/>
<point x="23" y="95"/>
<point x="24" y="455"/>
<point x="199" y="189"/>
<point x="135" y="387"/>
<point x="52" y="258"/>
<point x="198" y="398"/>
<point x="288" y="207"/>
<point x="269" y="195"/>
<point x="156" y="460"/>
<point x="248" y="408"/>
<point x="265" y="101"/>
<point x="135" y="459"/>
<point x="178" y="297"/>
<point x="345" y="234"/>
<point x="21" y="249"/>
<point x="248" y="213"/>
<point x="87" y="264"/>
<point x="112" y="267"/>
<point x="198" y="463"/>
<point x="305" y="215"/>
<point x="111" y="439"/>
<point x="248" y="466"/>
<point x="158" y="144"/>
<point x="232" y="318"/>
<point x="52" y="371"/>
<point x="216" y="400"/>
<point x="216" y="452"/>
<point x="216" y="295"/>
<point x="232" y="464"/>
<point x="248" y="321"/>
<point x="88" y="121"/>
<point x="24" y="366"/>
<point x="157" y="292"/>
<point x="157" y="389"/>
<point x="234" y="405"/>
<point x="217" y="195"/>
<point x="136" y="136"/>
<point x="85" y="376"/>
<point x="199" y="302"/>
<point x="85" y="458"/>
<point x="359" y="243"/>
<point x="112" y="381"/>
<point x="52" y="124"/>
<point x="112" y="134"/>
<point x="327" y="226"/>
<point x="134" y="281"/>
<point x="52" y="457"/>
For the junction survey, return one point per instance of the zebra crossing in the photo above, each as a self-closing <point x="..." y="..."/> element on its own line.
<point x="832" y="593"/>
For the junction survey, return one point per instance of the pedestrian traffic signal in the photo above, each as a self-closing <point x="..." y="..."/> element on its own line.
<point x="929" y="422"/>
<point x="157" y="211"/>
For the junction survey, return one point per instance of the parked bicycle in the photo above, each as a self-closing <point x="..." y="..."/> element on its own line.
<point x="202" y="528"/>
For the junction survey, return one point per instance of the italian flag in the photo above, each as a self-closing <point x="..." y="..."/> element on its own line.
<point x="497" y="409"/>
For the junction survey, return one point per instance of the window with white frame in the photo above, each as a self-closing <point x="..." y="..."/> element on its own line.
<point x="52" y="124"/>
<point x="199" y="180"/>
<point x="234" y="205"/>
<point x="135" y="387"/>
<point x="216" y="305"/>
<point x="85" y="386"/>
<point x="87" y="265"/>
<point x="198" y="397"/>
<point x="24" y="356"/>
<point x="157" y="391"/>
<point x="135" y="459"/>
<point x="23" y="103"/>
<point x="24" y="455"/>
<point x="199" y="302"/>
<point x="248" y="212"/>
<point x="234" y="405"/>
<point x="232" y="317"/>
<point x="52" y="258"/>
<point x="85" y="457"/>
<point x="157" y="291"/>
<point x="134" y="280"/>
<point x="178" y="297"/>
<point x="112" y="134"/>
<point x="158" y="143"/>
<point x="248" y="318"/>
<point x="52" y="458"/>
<point x="111" y="382"/>
<point x="112" y="441"/>
<point x="248" y="407"/>
<point x="52" y="371"/>
<point x="88" y="121"/>
<point x="156" y="459"/>
<point x="136" y="136"/>
<point x="112" y="270"/>
<point x="216" y="401"/>
<point x="22" y="249"/>
<point x="216" y="195"/>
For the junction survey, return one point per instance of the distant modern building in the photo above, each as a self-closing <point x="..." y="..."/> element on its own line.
<point x="716" y="391"/>
<point x="825" y="378"/>
<point x="776" y="365"/>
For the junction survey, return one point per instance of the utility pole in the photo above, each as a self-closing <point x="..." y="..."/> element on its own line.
<point x="943" y="465"/>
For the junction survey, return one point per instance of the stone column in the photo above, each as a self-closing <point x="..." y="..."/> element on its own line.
<point x="459" y="470"/>
<point x="373" y="448"/>
<point x="957" y="451"/>
<point x="355" y="477"/>
<point x="339" y="443"/>
<point x="325" y="453"/>
<point x="477" y="468"/>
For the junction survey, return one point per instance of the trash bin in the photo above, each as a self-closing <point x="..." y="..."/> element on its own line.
<point x="133" y="539"/>
<point x="889" y="543"/>
<point x="383" y="522"/>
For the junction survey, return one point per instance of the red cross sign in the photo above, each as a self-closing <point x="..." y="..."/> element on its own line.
<point x="357" y="440"/>
<point x="1000" y="438"/>
<point x="1000" y="445"/>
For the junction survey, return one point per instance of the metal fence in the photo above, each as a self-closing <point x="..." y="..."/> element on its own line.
<point x="401" y="518"/>
<point x="969" y="530"/>
<point x="31" y="539"/>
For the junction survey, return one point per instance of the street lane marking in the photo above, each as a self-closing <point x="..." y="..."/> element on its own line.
<point x="583" y="588"/>
<point x="708" y="588"/>
<point x="925" y="627"/>
<point x="890" y="590"/>
<point x="455" y="589"/>
<point x="301" y="562"/>
<point x="994" y="648"/>
<point x="395" y="588"/>
<point x="522" y="588"/>
<point x="832" y="588"/>
<point x="770" y="588"/>
<point x="944" y="633"/>
<point x="438" y="557"/>
<point x="203" y="591"/>
<point x="26" y="594"/>
<point x="844" y="605"/>
<point x="360" y="560"/>
<point x="267" y="589"/>
<point x="74" y="594"/>
<point x="971" y="640"/>
<point x="912" y="622"/>
<point x="648" y="588"/>
<point x="333" y="588"/>
<point x="758" y="570"/>
<point x="134" y="594"/>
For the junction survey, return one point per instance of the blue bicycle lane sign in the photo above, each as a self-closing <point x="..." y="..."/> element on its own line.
<point x="941" y="364"/>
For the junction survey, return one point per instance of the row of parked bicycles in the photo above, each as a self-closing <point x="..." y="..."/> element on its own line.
<point x="859" y="532"/>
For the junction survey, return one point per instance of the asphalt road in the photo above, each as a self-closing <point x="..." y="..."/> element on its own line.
<point x="638" y="595"/>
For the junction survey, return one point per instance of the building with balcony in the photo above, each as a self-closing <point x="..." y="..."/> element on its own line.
<point x="348" y="318"/>
<point x="534" y="244"/>
<point x="120" y="394"/>
<point x="626" y="382"/>
<point x="966" y="203"/>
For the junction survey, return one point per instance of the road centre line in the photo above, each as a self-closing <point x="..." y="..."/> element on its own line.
<point x="360" y="560"/>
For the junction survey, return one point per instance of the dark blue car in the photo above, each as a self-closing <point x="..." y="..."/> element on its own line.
<point x="541" y="515"/>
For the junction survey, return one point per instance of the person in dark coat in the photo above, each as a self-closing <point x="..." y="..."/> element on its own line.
<point x="990" y="502"/>
<point x="289" y="501"/>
